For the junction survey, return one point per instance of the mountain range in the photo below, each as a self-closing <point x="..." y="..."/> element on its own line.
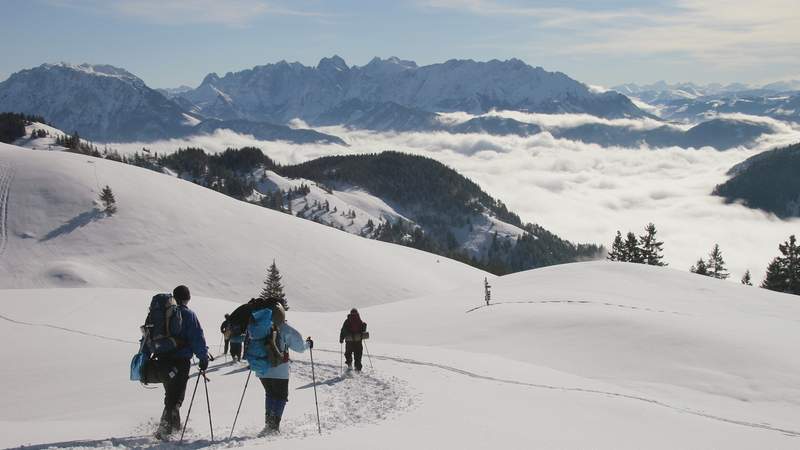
<point x="109" y="104"/>
<point x="692" y="102"/>
<point x="283" y="91"/>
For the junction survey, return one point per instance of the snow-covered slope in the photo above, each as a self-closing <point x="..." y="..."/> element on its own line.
<point x="356" y="211"/>
<point x="47" y="142"/>
<point x="169" y="231"/>
<point x="590" y="355"/>
<point x="283" y="91"/>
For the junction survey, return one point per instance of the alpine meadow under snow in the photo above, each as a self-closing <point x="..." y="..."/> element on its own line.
<point x="585" y="355"/>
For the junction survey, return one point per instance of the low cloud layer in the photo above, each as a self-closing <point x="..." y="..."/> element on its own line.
<point x="583" y="192"/>
<point x="557" y="121"/>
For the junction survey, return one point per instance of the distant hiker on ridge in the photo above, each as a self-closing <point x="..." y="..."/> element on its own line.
<point x="173" y="335"/>
<point x="354" y="330"/>
<point x="269" y="338"/>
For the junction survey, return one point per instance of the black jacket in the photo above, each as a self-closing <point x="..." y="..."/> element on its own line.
<point x="353" y="322"/>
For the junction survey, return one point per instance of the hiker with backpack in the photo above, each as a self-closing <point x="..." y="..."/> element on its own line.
<point x="269" y="339"/>
<point x="234" y="336"/>
<point x="353" y="332"/>
<point x="172" y="333"/>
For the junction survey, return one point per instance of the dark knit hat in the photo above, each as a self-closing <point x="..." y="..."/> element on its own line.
<point x="181" y="293"/>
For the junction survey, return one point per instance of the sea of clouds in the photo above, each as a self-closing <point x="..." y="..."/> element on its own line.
<point x="582" y="192"/>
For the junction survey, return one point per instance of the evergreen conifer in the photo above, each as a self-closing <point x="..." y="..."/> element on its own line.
<point x="108" y="201"/>
<point x="783" y="273"/>
<point x="273" y="287"/>
<point x="650" y="247"/>
<point x="617" y="252"/>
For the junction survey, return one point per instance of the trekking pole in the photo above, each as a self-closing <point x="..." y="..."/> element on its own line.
<point x="341" y="355"/>
<point x="188" y="413"/>
<point x="208" y="403"/>
<point x="249" y="372"/>
<point x="368" y="357"/>
<point x="314" y="381"/>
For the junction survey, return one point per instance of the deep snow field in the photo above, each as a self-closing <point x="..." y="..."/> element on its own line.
<point x="588" y="355"/>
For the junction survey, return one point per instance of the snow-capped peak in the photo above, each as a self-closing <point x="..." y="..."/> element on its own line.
<point x="103" y="70"/>
<point x="335" y="63"/>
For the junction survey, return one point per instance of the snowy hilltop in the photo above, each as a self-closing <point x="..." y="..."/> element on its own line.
<point x="54" y="234"/>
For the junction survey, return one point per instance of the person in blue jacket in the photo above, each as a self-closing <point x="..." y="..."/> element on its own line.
<point x="174" y="366"/>
<point x="269" y="356"/>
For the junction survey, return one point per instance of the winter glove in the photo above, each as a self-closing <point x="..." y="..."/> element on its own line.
<point x="309" y="342"/>
<point x="203" y="364"/>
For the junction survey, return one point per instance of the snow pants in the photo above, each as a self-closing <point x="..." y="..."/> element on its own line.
<point x="277" y="394"/>
<point x="175" y="372"/>
<point x="353" y="350"/>
<point x="236" y="350"/>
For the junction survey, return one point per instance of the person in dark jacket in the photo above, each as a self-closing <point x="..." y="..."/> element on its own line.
<point x="353" y="331"/>
<point x="225" y="330"/>
<point x="174" y="366"/>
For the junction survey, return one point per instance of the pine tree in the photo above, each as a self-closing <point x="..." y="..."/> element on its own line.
<point x="746" y="279"/>
<point x="783" y="273"/>
<point x="273" y="287"/>
<point x="700" y="268"/>
<point x="632" y="251"/>
<point x="108" y="201"/>
<point x="716" y="265"/>
<point x="617" y="252"/>
<point x="650" y="247"/>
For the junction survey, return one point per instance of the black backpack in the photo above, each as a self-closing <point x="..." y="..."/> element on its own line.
<point x="162" y="325"/>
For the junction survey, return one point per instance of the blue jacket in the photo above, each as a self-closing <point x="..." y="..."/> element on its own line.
<point x="192" y="336"/>
<point x="288" y="338"/>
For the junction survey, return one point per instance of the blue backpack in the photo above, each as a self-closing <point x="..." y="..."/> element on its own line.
<point x="259" y="335"/>
<point x="162" y="326"/>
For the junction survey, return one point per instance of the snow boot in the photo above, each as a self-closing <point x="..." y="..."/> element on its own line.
<point x="268" y="428"/>
<point x="276" y="424"/>
<point x="175" y="419"/>
<point x="164" y="429"/>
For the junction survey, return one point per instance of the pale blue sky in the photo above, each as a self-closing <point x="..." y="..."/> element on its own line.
<point x="173" y="42"/>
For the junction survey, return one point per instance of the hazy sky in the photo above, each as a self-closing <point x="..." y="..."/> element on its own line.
<point x="173" y="42"/>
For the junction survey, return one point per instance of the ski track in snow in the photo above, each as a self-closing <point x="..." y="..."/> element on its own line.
<point x="576" y="302"/>
<point x="764" y="426"/>
<point x="344" y="401"/>
<point x="369" y="399"/>
<point x="69" y="330"/>
<point x="6" y="176"/>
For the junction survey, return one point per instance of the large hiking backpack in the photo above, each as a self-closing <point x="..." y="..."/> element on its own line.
<point x="162" y="325"/>
<point x="236" y="333"/>
<point x="262" y="350"/>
